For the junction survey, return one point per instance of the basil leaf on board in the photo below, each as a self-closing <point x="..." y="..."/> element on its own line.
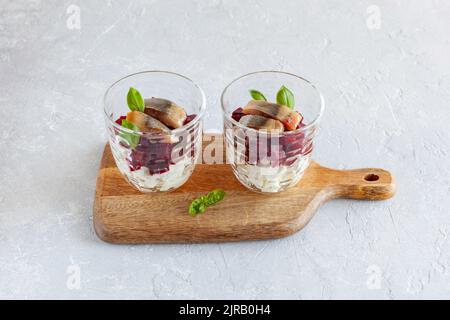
<point x="257" y="95"/>
<point x="215" y="196"/>
<point x="131" y="138"/>
<point x="200" y="205"/>
<point x="135" y="100"/>
<point x="286" y="97"/>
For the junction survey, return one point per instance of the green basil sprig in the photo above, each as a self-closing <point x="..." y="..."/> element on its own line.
<point x="286" y="97"/>
<point x="200" y="205"/>
<point x="135" y="100"/>
<point x="135" y="103"/>
<point x="131" y="138"/>
<point x="257" y="95"/>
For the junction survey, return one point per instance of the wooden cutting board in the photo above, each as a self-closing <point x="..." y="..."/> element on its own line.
<point x="124" y="215"/>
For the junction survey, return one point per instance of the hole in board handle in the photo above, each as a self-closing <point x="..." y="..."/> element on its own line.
<point x="371" y="177"/>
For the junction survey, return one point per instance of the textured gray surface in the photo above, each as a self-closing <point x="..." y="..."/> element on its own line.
<point x="387" y="92"/>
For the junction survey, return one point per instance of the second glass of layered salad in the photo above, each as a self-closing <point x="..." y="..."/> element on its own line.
<point x="270" y="120"/>
<point x="154" y="123"/>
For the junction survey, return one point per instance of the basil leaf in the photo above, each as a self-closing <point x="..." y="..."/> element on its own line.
<point x="193" y="208"/>
<point x="135" y="100"/>
<point x="200" y="205"/>
<point x="286" y="97"/>
<point x="131" y="138"/>
<point x="257" y="95"/>
<point x="215" y="196"/>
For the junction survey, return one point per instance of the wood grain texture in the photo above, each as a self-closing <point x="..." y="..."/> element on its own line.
<point x="124" y="215"/>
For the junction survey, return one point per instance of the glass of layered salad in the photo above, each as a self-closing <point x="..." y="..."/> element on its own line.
<point x="154" y="124"/>
<point x="270" y="120"/>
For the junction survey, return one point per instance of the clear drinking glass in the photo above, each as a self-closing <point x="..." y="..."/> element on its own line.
<point x="265" y="161"/>
<point x="156" y="162"/>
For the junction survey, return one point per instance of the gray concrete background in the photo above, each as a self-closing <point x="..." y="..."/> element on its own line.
<point x="387" y="91"/>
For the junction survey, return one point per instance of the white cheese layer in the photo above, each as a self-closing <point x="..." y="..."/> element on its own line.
<point x="272" y="179"/>
<point x="176" y="176"/>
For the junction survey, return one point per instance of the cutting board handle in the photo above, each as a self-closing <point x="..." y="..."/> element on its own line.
<point x="360" y="184"/>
